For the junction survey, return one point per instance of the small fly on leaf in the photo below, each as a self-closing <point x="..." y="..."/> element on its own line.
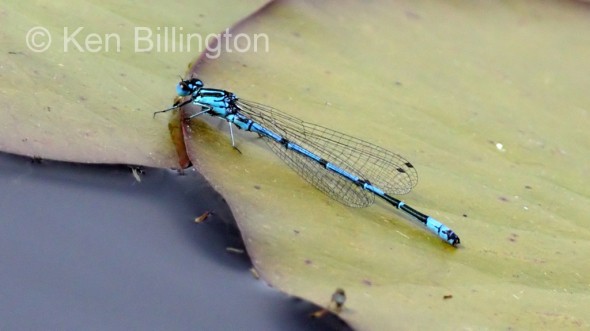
<point x="335" y="305"/>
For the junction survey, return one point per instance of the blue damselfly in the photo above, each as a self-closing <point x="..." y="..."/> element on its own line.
<point x="350" y="170"/>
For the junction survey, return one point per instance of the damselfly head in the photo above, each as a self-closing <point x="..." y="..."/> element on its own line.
<point x="188" y="86"/>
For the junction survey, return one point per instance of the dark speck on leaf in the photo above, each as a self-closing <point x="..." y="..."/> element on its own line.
<point x="504" y="199"/>
<point x="308" y="261"/>
<point x="513" y="237"/>
<point x="257" y="187"/>
<point x="528" y="187"/>
<point x="447" y="296"/>
<point x="412" y="15"/>
<point x="367" y="282"/>
<point x="465" y="215"/>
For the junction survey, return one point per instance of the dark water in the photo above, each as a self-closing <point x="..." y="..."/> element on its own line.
<point x="89" y="247"/>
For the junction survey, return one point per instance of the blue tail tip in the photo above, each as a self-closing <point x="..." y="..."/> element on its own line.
<point x="452" y="238"/>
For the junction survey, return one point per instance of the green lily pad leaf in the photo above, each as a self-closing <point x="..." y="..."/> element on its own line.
<point x="475" y="97"/>
<point x="83" y="88"/>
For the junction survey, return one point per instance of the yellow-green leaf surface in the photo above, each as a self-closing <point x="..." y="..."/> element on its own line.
<point x="89" y="97"/>
<point x="488" y="99"/>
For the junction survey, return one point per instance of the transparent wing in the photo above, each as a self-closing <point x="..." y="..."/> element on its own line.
<point x="389" y="171"/>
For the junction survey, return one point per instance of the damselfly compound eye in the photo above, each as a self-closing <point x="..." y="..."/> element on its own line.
<point x="183" y="89"/>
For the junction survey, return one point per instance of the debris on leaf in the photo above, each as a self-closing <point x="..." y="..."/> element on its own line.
<point x="137" y="172"/>
<point x="234" y="250"/>
<point x="203" y="217"/>
<point x="254" y="273"/>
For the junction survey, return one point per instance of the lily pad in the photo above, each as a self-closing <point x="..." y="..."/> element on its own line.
<point x="471" y="95"/>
